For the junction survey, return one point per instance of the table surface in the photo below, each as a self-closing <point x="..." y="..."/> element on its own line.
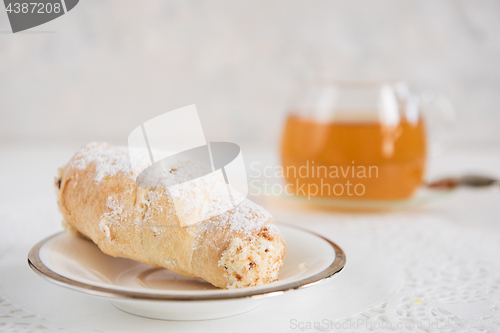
<point x="434" y="267"/>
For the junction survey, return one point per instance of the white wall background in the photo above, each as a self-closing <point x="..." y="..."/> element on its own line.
<point x="106" y="66"/>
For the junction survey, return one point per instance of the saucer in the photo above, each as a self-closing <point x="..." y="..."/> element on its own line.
<point x="77" y="263"/>
<point x="422" y="196"/>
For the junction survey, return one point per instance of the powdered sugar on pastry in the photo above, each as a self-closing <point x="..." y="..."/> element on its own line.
<point x="197" y="197"/>
<point x="197" y="193"/>
<point x="244" y="219"/>
<point x="99" y="197"/>
<point x="108" y="160"/>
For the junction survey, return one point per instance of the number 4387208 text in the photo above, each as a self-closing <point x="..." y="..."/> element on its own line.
<point x="33" y="8"/>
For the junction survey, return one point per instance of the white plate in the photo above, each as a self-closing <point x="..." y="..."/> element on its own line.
<point x="78" y="264"/>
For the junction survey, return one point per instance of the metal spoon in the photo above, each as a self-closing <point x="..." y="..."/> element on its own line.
<point x="467" y="181"/>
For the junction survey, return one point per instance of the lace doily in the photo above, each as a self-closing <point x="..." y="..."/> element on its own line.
<point x="451" y="280"/>
<point x="458" y="283"/>
<point x="451" y="284"/>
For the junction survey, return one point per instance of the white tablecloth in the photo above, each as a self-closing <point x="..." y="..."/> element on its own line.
<point x="429" y="268"/>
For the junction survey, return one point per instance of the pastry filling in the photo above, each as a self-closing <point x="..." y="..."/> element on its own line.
<point x="253" y="262"/>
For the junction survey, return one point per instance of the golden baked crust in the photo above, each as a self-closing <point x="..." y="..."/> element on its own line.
<point x="98" y="197"/>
